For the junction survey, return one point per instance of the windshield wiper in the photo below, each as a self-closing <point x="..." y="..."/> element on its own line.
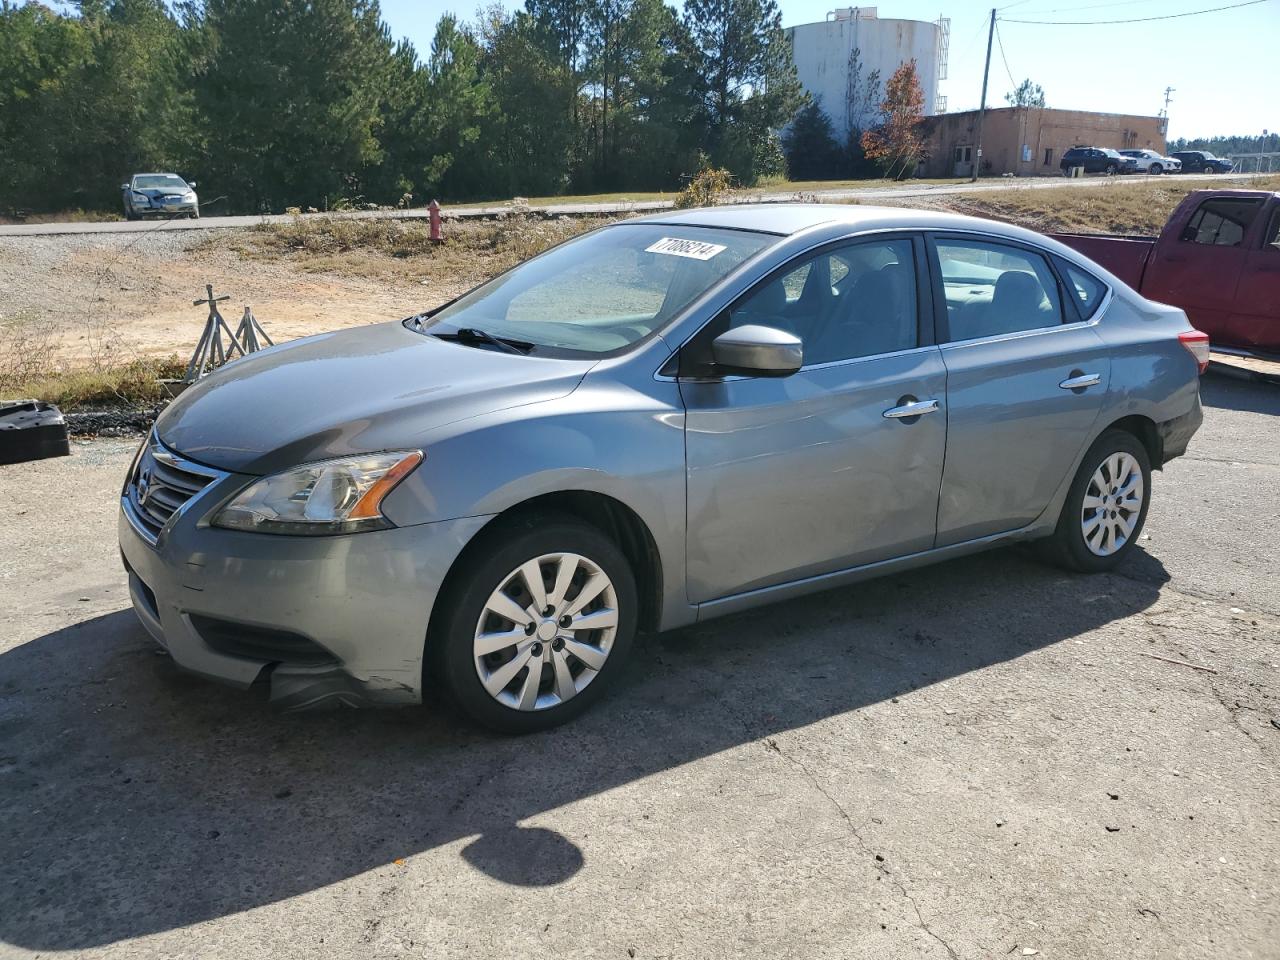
<point x="471" y="335"/>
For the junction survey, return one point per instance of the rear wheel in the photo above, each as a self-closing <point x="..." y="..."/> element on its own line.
<point x="537" y="623"/>
<point x="1106" y="506"/>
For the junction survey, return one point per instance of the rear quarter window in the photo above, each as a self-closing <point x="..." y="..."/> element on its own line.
<point x="1085" y="290"/>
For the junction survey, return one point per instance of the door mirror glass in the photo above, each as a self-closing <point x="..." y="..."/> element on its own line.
<point x="191" y="184"/>
<point x="757" y="351"/>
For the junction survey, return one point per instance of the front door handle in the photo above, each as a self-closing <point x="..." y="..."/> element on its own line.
<point x="1082" y="381"/>
<point x="913" y="409"/>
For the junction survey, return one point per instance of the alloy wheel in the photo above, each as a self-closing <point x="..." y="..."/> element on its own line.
<point x="1112" y="504"/>
<point x="546" y="631"/>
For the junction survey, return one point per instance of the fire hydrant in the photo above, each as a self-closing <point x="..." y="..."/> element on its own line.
<point x="437" y="235"/>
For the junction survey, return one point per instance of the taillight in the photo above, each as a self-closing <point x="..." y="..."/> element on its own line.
<point x="1197" y="344"/>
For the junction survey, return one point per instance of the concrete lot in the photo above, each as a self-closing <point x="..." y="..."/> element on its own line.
<point x="980" y="759"/>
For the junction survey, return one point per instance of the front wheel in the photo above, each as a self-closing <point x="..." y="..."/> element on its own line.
<point x="1111" y="169"/>
<point x="1106" y="506"/>
<point x="537" y="622"/>
<point x="1156" y="169"/>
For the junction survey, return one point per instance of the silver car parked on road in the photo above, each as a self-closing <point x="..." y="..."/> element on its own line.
<point x="664" y="420"/>
<point x="159" y="195"/>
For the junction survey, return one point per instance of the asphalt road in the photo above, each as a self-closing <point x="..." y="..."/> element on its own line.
<point x="854" y="193"/>
<point x="986" y="758"/>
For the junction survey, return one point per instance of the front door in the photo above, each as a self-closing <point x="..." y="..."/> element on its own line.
<point x="1255" y="319"/>
<point x="1200" y="271"/>
<point x="803" y="475"/>
<point x="1026" y="376"/>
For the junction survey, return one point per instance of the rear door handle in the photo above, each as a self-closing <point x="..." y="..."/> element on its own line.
<point x="1082" y="381"/>
<point x="913" y="409"/>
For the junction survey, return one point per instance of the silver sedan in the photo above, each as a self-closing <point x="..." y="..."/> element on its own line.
<point x="662" y="421"/>
<point x="159" y="195"/>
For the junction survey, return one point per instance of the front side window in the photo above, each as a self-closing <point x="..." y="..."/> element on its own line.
<point x="994" y="289"/>
<point x="851" y="301"/>
<point x="1222" y="222"/>
<point x="602" y="292"/>
<point x="1272" y="238"/>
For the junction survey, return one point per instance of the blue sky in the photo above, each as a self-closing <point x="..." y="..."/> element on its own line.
<point x="1225" y="66"/>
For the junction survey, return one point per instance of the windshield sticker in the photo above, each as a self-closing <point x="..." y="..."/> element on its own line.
<point x="694" y="249"/>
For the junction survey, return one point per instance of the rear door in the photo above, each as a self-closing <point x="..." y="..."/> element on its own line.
<point x="1200" y="269"/>
<point x="818" y="471"/>
<point x="1026" y="377"/>
<point x="1255" y="321"/>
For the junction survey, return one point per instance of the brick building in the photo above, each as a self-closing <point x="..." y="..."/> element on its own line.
<point x="1029" y="141"/>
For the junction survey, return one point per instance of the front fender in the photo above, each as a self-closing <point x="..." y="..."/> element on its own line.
<point x="604" y="438"/>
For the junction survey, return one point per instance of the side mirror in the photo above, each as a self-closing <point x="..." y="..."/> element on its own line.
<point x="124" y="186"/>
<point x="757" y="351"/>
<point x="191" y="184"/>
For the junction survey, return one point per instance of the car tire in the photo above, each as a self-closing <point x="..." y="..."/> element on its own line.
<point x="1111" y="170"/>
<point x="1155" y="169"/>
<point x="195" y="215"/>
<point x="495" y="565"/>
<point x="1085" y="548"/>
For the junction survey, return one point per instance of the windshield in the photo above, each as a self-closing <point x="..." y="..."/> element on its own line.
<point x="604" y="291"/>
<point x="159" y="181"/>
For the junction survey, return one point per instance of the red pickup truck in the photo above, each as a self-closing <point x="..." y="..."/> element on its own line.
<point x="1218" y="258"/>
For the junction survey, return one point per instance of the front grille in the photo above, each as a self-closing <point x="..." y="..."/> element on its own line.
<point x="260" y="643"/>
<point x="160" y="486"/>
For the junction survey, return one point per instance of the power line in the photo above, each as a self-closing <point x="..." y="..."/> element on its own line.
<point x="1091" y="6"/>
<point x="1168" y="16"/>
<point x="1000" y="43"/>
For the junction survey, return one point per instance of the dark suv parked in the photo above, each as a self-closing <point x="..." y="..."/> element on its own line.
<point x="1198" y="161"/>
<point x="1097" y="160"/>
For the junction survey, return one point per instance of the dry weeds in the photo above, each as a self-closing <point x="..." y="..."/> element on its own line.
<point x="1135" y="209"/>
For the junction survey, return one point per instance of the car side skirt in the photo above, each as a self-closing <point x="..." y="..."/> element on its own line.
<point x="840" y="578"/>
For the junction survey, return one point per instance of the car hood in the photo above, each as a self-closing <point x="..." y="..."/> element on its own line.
<point x="355" y="391"/>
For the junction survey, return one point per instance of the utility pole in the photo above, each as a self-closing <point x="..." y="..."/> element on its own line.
<point x="1168" y="96"/>
<point x="982" y="107"/>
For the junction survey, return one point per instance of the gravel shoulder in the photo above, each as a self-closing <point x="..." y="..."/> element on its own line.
<point x="979" y="759"/>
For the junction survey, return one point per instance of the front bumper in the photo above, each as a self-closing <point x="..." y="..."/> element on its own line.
<point x="155" y="208"/>
<point x="344" y="618"/>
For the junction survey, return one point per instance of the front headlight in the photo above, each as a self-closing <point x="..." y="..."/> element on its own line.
<point x="139" y="196"/>
<point x="332" y="496"/>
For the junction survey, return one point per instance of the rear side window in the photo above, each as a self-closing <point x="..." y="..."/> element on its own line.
<point x="1086" y="289"/>
<point x="1222" y="222"/>
<point x="994" y="289"/>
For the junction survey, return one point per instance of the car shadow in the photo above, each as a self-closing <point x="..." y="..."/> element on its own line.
<point x="138" y="799"/>
<point x="1230" y="392"/>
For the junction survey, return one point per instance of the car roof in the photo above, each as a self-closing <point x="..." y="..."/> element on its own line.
<point x="786" y="219"/>
<point x="157" y="174"/>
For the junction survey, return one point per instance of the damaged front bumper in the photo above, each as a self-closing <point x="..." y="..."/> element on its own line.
<point x="322" y="620"/>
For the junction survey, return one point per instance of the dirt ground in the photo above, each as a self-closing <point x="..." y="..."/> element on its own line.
<point x="117" y="297"/>
<point x="983" y="759"/>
